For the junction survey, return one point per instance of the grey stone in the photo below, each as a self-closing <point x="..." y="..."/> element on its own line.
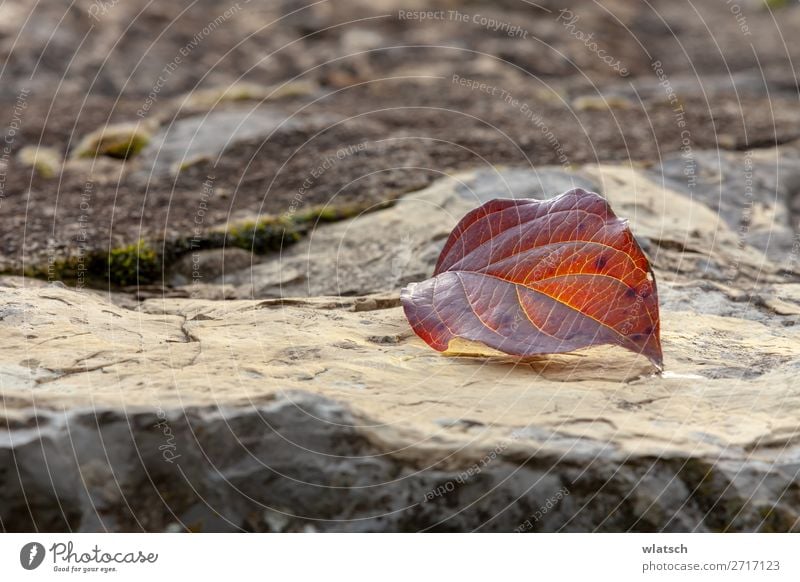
<point x="184" y="141"/>
<point x="683" y="233"/>
<point x="756" y="193"/>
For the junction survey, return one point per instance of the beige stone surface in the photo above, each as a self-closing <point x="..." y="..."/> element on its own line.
<point x="729" y="382"/>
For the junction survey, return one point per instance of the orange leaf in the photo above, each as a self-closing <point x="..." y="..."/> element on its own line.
<point x="533" y="277"/>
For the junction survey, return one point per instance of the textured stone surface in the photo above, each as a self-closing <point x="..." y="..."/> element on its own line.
<point x="204" y="137"/>
<point x="271" y="403"/>
<point x="285" y="392"/>
<point x="684" y="234"/>
<point x="314" y="407"/>
<point x="755" y="193"/>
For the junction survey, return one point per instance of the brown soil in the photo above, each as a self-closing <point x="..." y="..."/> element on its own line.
<point x="386" y="83"/>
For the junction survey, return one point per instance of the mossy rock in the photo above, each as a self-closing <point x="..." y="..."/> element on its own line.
<point x="777" y="519"/>
<point x="712" y="491"/>
<point x="207" y="98"/>
<point x="120" y="141"/>
<point x="272" y="233"/>
<point x="263" y="235"/>
<point x="132" y="264"/>
<point x="141" y="264"/>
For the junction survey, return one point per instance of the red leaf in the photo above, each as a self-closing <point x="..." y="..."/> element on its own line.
<point x="527" y="277"/>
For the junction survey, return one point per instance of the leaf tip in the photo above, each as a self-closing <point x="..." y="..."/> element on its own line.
<point x="656" y="358"/>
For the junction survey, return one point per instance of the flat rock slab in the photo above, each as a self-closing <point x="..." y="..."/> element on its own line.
<point x="329" y="414"/>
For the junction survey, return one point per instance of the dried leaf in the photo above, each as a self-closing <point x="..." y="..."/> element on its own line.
<point x="531" y="277"/>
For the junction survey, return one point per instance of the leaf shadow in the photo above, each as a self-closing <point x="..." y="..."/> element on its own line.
<point x="595" y="364"/>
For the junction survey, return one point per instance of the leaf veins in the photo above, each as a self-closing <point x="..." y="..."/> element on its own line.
<point x="531" y="277"/>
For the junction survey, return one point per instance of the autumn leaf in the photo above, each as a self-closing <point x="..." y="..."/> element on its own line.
<point x="530" y="277"/>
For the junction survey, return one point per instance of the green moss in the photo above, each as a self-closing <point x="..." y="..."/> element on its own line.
<point x="601" y="103"/>
<point x="263" y="235"/>
<point x="272" y="233"/>
<point x="335" y="213"/>
<point x="132" y="264"/>
<point x="207" y="98"/>
<point x="140" y="264"/>
<point x="190" y="163"/>
<point x="135" y="264"/>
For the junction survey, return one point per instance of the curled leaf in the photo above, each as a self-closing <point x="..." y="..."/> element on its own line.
<point x="530" y="277"/>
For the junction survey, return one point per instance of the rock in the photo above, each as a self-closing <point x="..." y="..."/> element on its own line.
<point x="123" y="141"/>
<point x="216" y="415"/>
<point x="601" y="103"/>
<point x="357" y="256"/>
<point x="201" y="266"/>
<point x="204" y="137"/>
<point x="755" y="193"/>
<point x="210" y="98"/>
<point x="539" y="183"/>
<point x="240" y="412"/>
<point x="684" y="237"/>
<point x="45" y="161"/>
<point x="290" y="395"/>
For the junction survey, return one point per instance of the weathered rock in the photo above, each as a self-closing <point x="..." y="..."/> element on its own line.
<point x="205" y="99"/>
<point x="120" y="141"/>
<point x="183" y="142"/>
<point x="756" y="193"/>
<point x="44" y="161"/>
<point x="156" y="408"/>
<point x="326" y="412"/>
<point x="683" y="236"/>
<point x="221" y="415"/>
<point x="201" y="266"/>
